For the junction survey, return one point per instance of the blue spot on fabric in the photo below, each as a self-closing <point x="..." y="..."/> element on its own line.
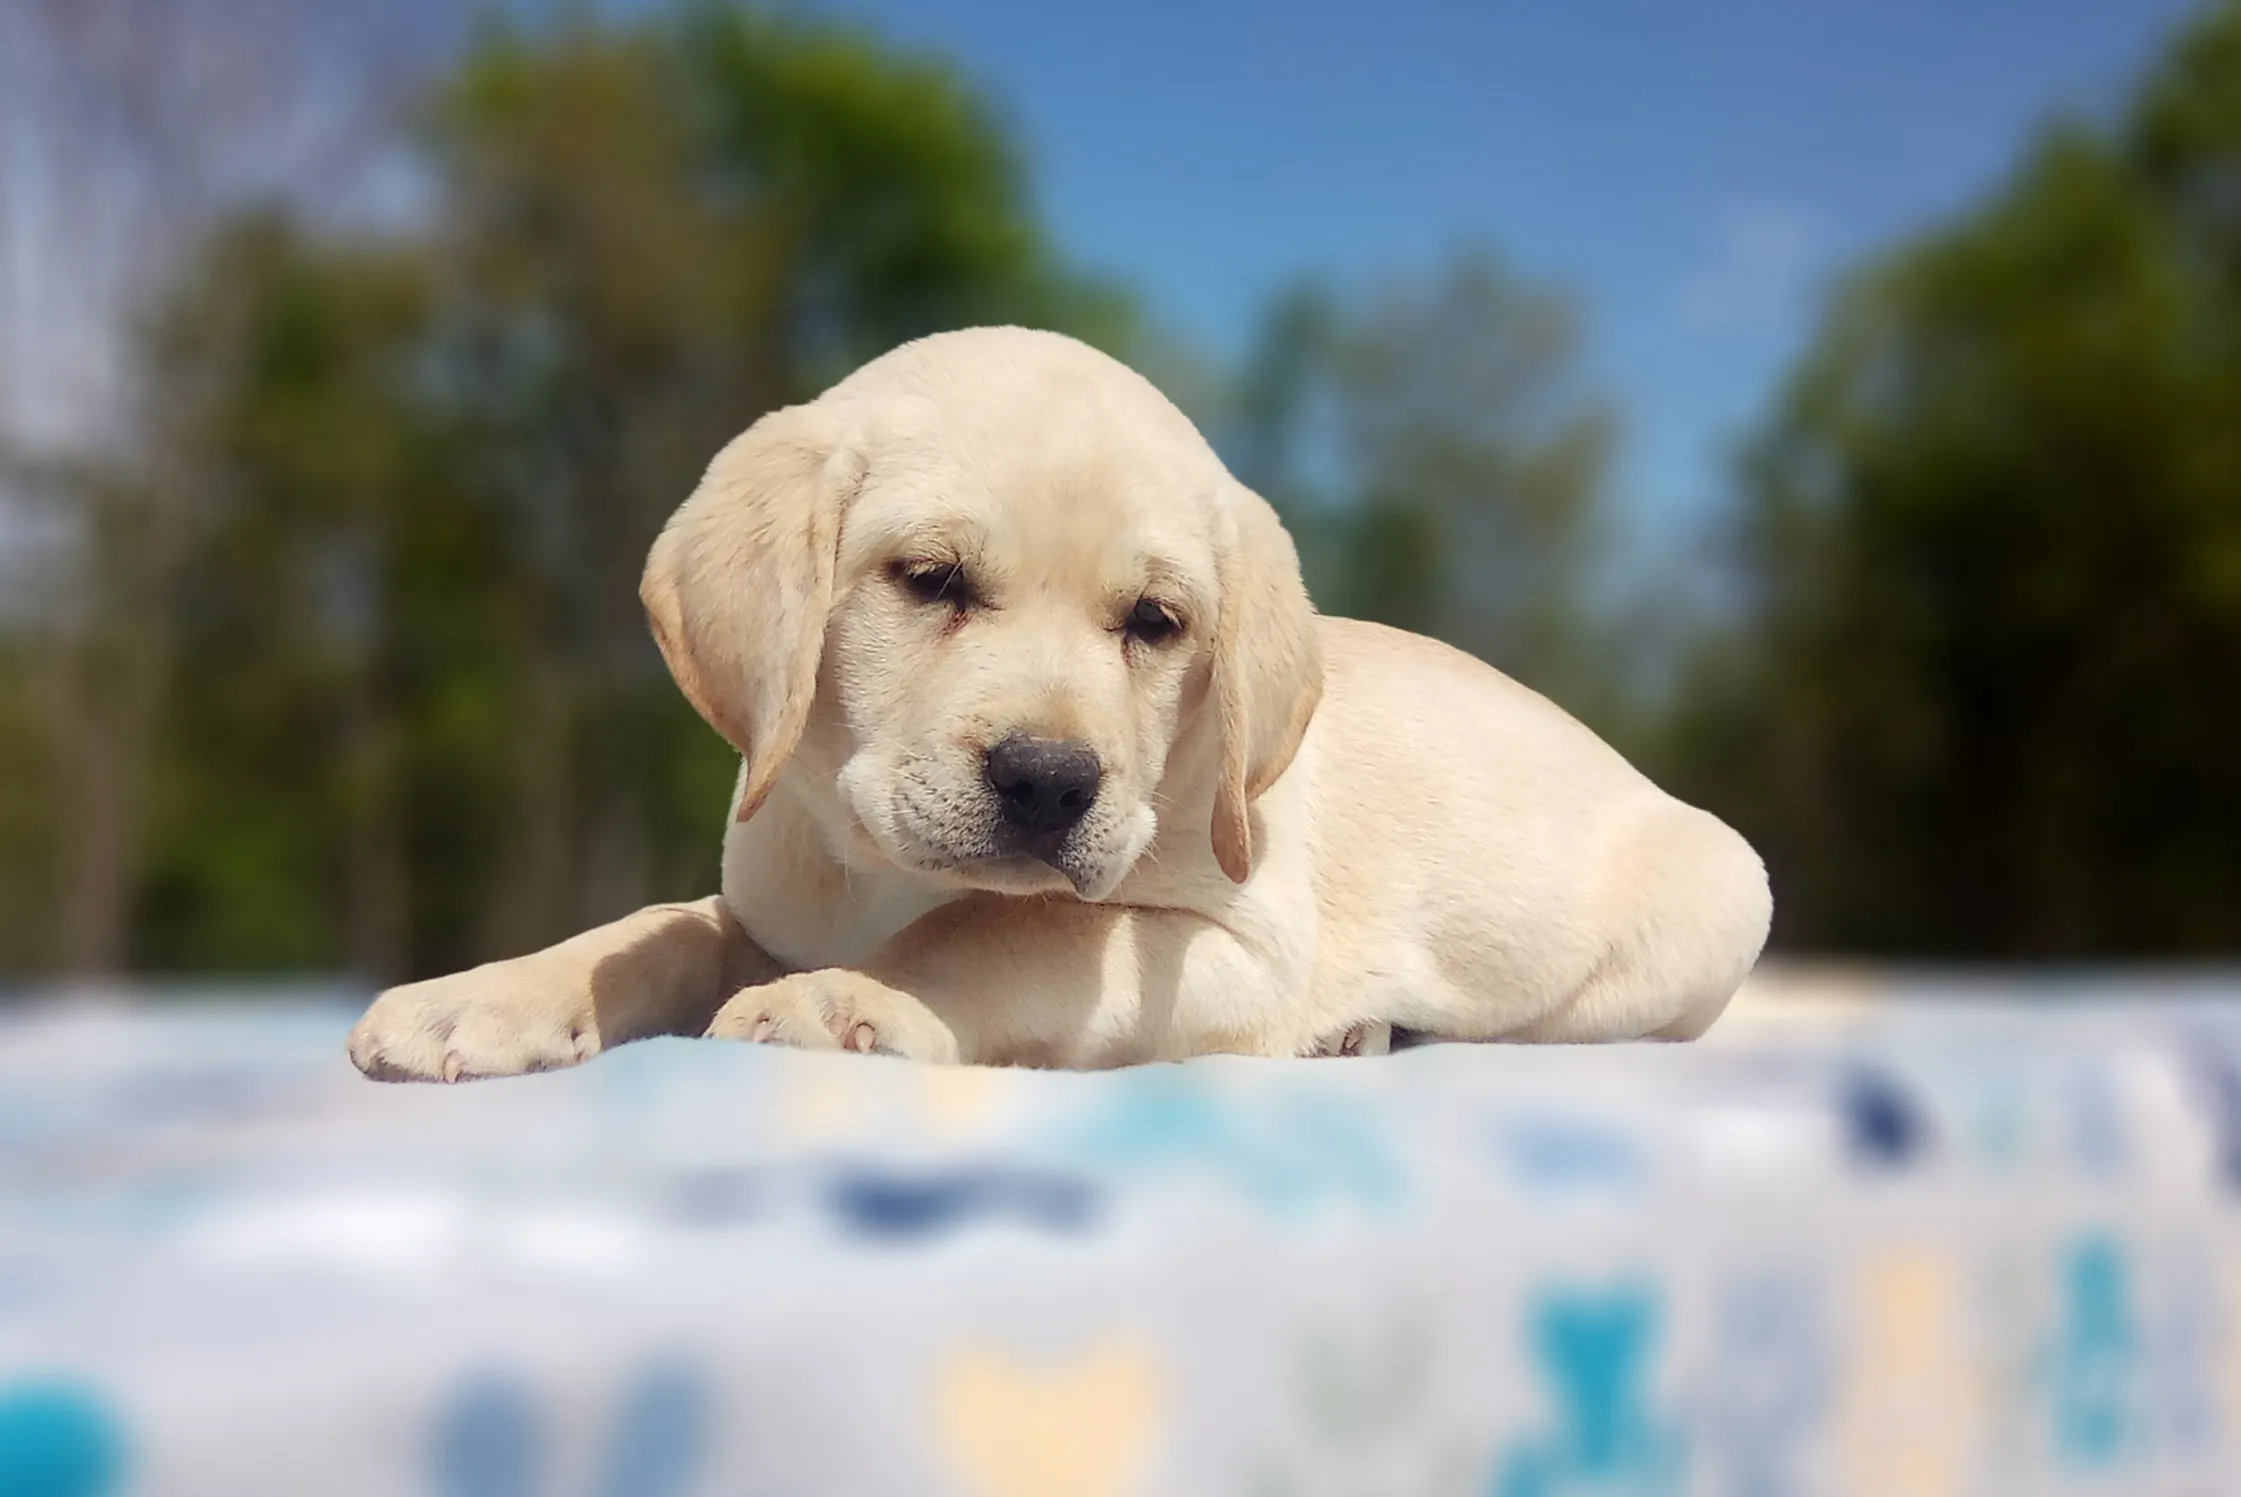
<point x="1161" y="1115"/>
<point x="2185" y="1374"/>
<point x="721" y="1198"/>
<point x="1769" y="1384"/>
<point x="660" y="1438"/>
<point x="490" y="1438"/>
<point x="2093" y="1366"/>
<point x="1999" y="1124"/>
<point x="58" y="1439"/>
<point x="1883" y="1121"/>
<point x="1566" y="1156"/>
<point x="897" y="1206"/>
<point x="2097" y="1137"/>
<point x="1594" y="1353"/>
<point x="2217" y="1072"/>
<point x="487" y="1442"/>
<point x="1349" y="1153"/>
<point x="1287" y="1155"/>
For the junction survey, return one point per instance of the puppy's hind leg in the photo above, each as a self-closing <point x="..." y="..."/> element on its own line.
<point x="1689" y="912"/>
<point x="1365" y="1038"/>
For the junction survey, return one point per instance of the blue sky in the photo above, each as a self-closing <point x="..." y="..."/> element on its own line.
<point x="1693" y="171"/>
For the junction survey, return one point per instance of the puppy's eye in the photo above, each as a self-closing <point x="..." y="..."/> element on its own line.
<point x="1151" y="622"/>
<point x="934" y="582"/>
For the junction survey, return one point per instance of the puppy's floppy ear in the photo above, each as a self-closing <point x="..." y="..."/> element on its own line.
<point x="1268" y="669"/>
<point x="740" y="581"/>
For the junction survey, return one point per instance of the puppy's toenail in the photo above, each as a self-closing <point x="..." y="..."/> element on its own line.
<point x="762" y="1029"/>
<point x="454" y="1067"/>
<point x="861" y="1038"/>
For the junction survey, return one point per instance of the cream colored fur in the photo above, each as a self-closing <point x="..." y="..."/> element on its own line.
<point x="1309" y="831"/>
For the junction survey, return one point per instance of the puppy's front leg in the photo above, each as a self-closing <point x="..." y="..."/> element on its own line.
<point x="663" y="970"/>
<point x="993" y="980"/>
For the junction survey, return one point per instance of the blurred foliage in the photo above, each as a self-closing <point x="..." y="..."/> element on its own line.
<point x="1435" y="455"/>
<point x="403" y="710"/>
<point x="346" y="667"/>
<point x="1981" y="698"/>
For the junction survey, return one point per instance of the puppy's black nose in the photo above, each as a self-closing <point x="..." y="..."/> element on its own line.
<point x="1043" y="785"/>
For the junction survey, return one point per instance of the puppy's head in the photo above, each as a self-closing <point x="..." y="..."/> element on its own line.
<point x="988" y="589"/>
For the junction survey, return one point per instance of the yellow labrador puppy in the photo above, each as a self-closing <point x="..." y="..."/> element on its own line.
<point x="1048" y="761"/>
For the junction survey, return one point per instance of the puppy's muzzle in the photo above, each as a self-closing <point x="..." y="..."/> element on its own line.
<point x="1044" y="787"/>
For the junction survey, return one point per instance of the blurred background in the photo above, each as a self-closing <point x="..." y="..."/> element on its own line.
<point x="1837" y="406"/>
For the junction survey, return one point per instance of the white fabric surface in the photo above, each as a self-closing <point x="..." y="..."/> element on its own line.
<point x="1956" y="1250"/>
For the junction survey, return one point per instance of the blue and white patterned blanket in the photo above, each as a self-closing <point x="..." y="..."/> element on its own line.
<point x="1966" y="1252"/>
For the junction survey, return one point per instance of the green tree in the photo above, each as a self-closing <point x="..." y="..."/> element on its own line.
<point x="1441" y="464"/>
<point x="410" y="714"/>
<point x="1979" y="701"/>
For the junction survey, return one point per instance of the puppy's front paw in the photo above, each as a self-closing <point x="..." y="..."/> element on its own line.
<point x="835" y="1009"/>
<point x="499" y="1020"/>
